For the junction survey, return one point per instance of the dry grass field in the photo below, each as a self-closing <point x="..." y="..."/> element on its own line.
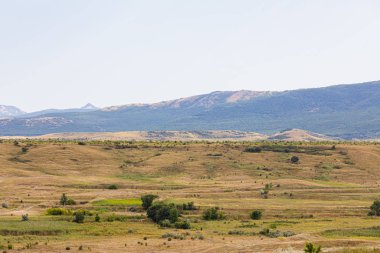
<point x="324" y="198"/>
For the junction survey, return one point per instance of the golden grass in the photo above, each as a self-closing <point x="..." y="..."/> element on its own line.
<point x="324" y="198"/>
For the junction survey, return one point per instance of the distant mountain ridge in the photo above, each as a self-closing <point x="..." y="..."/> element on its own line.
<point x="344" y="111"/>
<point x="88" y="107"/>
<point x="7" y="111"/>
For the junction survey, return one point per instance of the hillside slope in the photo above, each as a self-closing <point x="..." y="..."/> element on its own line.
<point x="345" y="111"/>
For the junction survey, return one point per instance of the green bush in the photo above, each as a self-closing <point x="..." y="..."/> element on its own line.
<point x="256" y="215"/>
<point x="79" y="217"/>
<point x="147" y="200"/>
<point x="213" y="213"/>
<point x="182" y="225"/>
<point x="25" y="217"/>
<point x="161" y="211"/>
<point x="294" y="159"/>
<point x="70" y="202"/>
<point x="66" y="200"/>
<point x="310" y="248"/>
<point x="113" y="187"/>
<point x="166" y="223"/>
<point x="57" y="211"/>
<point x="375" y="208"/>
<point x="97" y="218"/>
<point x="187" y="206"/>
<point x="253" y="150"/>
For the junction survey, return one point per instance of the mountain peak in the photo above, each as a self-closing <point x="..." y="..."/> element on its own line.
<point x="89" y="106"/>
<point x="9" y="111"/>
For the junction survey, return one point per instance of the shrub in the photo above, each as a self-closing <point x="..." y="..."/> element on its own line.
<point x="81" y="143"/>
<point x="213" y="213"/>
<point x="294" y="159"/>
<point x="4" y="205"/>
<point x="25" y="217"/>
<point x="114" y="217"/>
<point x="70" y="202"/>
<point x="375" y="208"/>
<point x="310" y="248"/>
<point x="97" y="218"/>
<point x="24" y="149"/>
<point x="256" y="215"/>
<point x="57" y="211"/>
<point x="253" y="149"/>
<point x="147" y="200"/>
<point x="161" y="211"/>
<point x="79" y="217"/>
<point x="182" y="225"/>
<point x="187" y="206"/>
<point x="166" y="223"/>
<point x="113" y="187"/>
<point x="66" y="201"/>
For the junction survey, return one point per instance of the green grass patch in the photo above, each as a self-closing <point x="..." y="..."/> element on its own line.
<point x="118" y="202"/>
<point x="359" y="232"/>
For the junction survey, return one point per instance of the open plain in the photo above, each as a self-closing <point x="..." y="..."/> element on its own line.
<point x="323" y="197"/>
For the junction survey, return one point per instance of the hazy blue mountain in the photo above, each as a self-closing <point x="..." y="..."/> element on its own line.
<point x="87" y="108"/>
<point x="7" y="111"/>
<point x="345" y="111"/>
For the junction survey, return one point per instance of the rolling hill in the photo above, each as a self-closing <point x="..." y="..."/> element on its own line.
<point x="344" y="111"/>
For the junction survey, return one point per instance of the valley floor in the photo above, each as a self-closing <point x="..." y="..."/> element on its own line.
<point x="324" y="198"/>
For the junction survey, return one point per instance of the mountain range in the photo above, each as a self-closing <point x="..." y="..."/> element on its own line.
<point x="343" y="111"/>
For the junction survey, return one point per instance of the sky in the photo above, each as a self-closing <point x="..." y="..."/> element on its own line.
<point x="64" y="54"/>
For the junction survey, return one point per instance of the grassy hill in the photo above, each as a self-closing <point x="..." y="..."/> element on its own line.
<point x="323" y="198"/>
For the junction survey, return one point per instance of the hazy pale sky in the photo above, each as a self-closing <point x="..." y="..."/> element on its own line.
<point x="61" y="54"/>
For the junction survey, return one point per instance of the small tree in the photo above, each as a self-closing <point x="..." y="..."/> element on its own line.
<point x="147" y="200"/>
<point x="64" y="199"/>
<point x="310" y="248"/>
<point x="256" y="215"/>
<point x="375" y="208"/>
<point x="294" y="159"/>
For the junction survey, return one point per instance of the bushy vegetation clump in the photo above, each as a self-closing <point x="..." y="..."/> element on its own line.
<point x="294" y="159"/>
<point x="187" y="206"/>
<point x="57" y="211"/>
<point x="375" y="208"/>
<point x="25" y="217"/>
<point x="252" y="149"/>
<point x="213" y="213"/>
<point x="275" y="233"/>
<point x="147" y="200"/>
<point x="310" y="248"/>
<point x="256" y="215"/>
<point x="182" y="225"/>
<point x="79" y="217"/>
<point x="160" y="211"/>
<point x="66" y="200"/>
<point x="113" y="187"/>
